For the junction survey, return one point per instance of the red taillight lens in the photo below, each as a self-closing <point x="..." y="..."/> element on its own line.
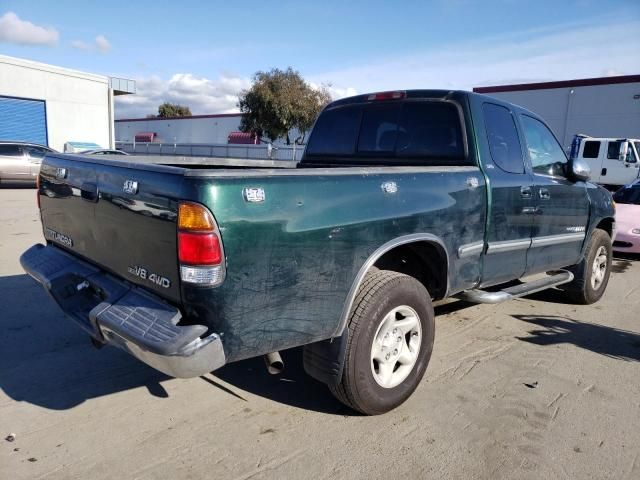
<point x="387" y="95"/>
<point x="199" y="248"/>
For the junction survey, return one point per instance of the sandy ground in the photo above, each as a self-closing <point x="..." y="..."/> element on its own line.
<point x="528" y="389"/>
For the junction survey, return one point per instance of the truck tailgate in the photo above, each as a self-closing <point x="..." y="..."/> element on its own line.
<point x="120" y="218"/>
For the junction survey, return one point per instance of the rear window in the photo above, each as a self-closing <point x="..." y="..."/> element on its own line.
<point x="404" y="133"/>
<point x="628" y="194"/>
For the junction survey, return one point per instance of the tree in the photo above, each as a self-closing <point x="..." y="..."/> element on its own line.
<point x="279" y="101"/>
<point x="167" y="110"/>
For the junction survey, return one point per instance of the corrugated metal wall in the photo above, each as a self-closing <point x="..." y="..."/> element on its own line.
<point x="23" y="120"/>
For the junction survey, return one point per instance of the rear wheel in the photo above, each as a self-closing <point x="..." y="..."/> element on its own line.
<point x="390" y="340"/>
<point x="591" y="275"/>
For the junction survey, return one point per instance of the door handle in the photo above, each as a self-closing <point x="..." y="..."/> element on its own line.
<point x="544" y="194"/>
<point x="603" y="172"/>
<point x="525" y="192"/>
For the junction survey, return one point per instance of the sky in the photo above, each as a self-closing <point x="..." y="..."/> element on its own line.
<point x="202" y="54"/>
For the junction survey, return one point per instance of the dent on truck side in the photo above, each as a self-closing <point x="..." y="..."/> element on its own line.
<point x="293" y="259"/>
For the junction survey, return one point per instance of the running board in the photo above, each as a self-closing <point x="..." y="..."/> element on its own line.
<point x="481" y="296"/>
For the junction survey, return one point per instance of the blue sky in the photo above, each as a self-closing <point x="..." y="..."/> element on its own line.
<point x="203" y="53"/>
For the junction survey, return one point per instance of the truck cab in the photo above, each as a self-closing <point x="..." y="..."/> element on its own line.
<point x="613" y="161"/>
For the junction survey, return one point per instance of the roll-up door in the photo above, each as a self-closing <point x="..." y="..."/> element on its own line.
<point x="23" y="120"/>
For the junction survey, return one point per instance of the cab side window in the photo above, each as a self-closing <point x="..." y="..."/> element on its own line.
<point x="502" y="135"/>
<point x="547" y="156"/>
<point x="591" y="149"/>
<point x="9" y="150"/>
<point x="36" y="152"/>
<point x="613" y="151"/>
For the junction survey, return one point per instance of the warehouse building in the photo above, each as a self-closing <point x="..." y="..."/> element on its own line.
<point x="193" y="129"/>
<point x="57" y="106"/>
<point x="598" y="107"/>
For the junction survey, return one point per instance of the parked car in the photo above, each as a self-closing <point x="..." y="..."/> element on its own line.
<point x="401" y="198"/>
<point x="20" y="161"/>
<point x="613" y="161"/>
<point x="103" y="151"/>
<point x="628" y="218"/>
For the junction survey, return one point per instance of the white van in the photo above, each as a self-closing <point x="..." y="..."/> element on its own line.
<point x="613" y="161"/>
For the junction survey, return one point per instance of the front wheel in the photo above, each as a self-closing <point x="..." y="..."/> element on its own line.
<point x="390" y="340"/>
<point x="591" y="275"/>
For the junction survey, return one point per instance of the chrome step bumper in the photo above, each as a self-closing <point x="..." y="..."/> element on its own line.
<point x="114" y="312"/>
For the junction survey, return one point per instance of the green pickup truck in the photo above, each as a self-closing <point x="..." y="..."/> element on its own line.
<point x="401" y="198"/>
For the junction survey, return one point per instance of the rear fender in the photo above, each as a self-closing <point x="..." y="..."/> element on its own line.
<point x="324" y="360"/>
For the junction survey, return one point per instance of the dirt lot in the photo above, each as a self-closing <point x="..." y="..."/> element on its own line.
<point x="528" y="389"/>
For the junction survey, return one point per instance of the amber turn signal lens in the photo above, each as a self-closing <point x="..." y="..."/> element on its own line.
<point x="195" y="218"/>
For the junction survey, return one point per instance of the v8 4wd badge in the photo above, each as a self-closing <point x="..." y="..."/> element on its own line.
<point x="145" y="274"/>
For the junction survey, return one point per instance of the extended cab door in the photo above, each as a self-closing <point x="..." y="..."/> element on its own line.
<point x="511" y="209"/>
<point x="616" y="170"/>
<point x="561" y="205"/>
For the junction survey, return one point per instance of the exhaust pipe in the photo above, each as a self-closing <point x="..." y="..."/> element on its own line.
<point x="274" y="362"/>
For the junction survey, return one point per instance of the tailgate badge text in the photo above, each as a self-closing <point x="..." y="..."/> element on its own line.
<point x="145" y="274"/>
<point x="58" y="237"/>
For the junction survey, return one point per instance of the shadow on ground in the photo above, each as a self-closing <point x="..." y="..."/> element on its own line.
<point x="608" y="341"/>
<point x="48" y="361"/>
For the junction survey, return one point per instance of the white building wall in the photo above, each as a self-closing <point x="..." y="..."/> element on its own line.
<point x="77" y="103"/>
<point x="197" y="129"/>
<point x="597" y="110"/>
<point x="214" y="129"/>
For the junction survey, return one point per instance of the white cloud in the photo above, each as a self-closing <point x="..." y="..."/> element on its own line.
<point x="201" y="95"/>
<point x="100" y="44"/>
<point x="22" y="32"/>
<point x="80" y="45"/>
<point x="335" y="92"/>
<point x="572" y="51"/>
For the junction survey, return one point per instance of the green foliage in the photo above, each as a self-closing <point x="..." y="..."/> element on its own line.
<point x="167" y="110"/>
<point x="279" y="101"/>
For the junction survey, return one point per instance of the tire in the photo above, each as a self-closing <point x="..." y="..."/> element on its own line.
<point x="587" y="287"/>
<point x="384" y="312"/>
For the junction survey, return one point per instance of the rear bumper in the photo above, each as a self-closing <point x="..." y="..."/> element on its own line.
<point x="114" y="312"/>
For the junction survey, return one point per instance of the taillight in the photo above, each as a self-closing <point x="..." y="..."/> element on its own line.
<point x="199" y="246"/>
<point x="397" y="95"/>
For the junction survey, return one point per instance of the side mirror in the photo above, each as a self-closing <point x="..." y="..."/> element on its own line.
<point x="624" y="149"/>
<point x="580" y="170"/>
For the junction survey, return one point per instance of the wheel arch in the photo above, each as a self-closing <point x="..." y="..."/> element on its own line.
<point x="608" y="225"/>
<point x="422" y="246"/>
<point x="324" y="360"/>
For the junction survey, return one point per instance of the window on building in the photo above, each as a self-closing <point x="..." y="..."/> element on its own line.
<point x="503" y="138"/>
<point x="591" y="149"/>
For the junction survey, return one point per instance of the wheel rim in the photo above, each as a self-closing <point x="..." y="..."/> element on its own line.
<point x="599" y="268"/>
<point x="396" y="346"/>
